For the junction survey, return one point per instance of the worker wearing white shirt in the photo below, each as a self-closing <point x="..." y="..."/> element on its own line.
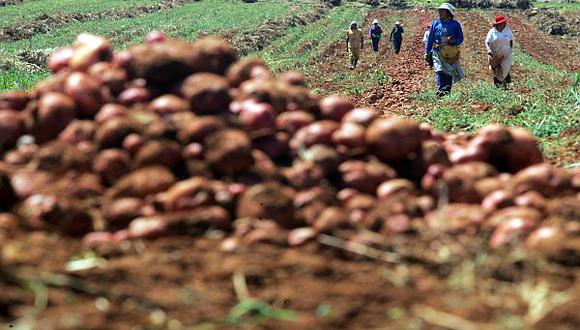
<point x="499" y="44"/>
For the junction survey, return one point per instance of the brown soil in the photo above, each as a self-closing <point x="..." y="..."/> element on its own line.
<point x="44" y="23"/>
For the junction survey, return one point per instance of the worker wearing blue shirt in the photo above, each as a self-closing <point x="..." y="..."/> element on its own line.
<point x="445" y="36"/>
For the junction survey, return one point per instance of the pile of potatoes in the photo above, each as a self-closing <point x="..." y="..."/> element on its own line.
<point x="177" y="138"/>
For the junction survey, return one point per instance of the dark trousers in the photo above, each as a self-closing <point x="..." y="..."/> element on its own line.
<point x="397" y="46"/>
<point x="499" y="83"/>
<point x="444" y="82"/>
<point x="375" y="44"/>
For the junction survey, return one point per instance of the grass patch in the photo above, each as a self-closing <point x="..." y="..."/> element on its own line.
<point x="15" y="79"/>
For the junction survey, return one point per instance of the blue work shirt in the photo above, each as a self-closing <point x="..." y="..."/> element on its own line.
<point x="438" y="32"/>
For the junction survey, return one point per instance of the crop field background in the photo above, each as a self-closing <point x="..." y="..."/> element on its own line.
<point x="193" y="285"/>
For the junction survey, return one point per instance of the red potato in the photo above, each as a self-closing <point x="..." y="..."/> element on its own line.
<point x="523" y="151"/>
<point x="111" y="165"/>
<point x="147" y="228"/>
<point x="98" y="238"/>
<point x="257" y="117"/>
<point x="544" y="178"/>
<point x="432" y="153"/>
<point x="393" y="139"/>
<point x="168" y="104"/>
<point x="120" y="212"/>
<point x="361" y="116"/>
<point x="192" y="151"/>
<point x="319" y="132"/>
<point x="335" y="107"/>
<point x="51" y="212"/>
<point x="132" y="143"/>
<point x="88" y="50"/>
<point x="497" y="200"/>
<point x="158" y="152"/>
<point x="134" y="95"/>
<point x="294" y="78"/>
<point x="507" y="214"/>
<point x="206" y="93"/>
<point x="393" y="187"/>
<point x="332" y="218"/>
<point x="14" y="100"/>
<point x="304" y="175"/>
<point x="228" y="151"/>
<point x="78" y="131"/>
<point x="241" y="71"/>
<point x="326" y="157"/>
<point x="55" y="112"/>
<point x="110" y="110"/>
<point x="26" y="182"/>
<point x="456" y="218"/>
<point x="379" y="216"/>
<point x="271" y="201"/>
<point x="12" y="126"/>
<point x="212" y="55"/>
<point x="262" y="231"/>
<point x="274" y="146"/>
<point x="142" y="182"/>
<point x="188" y="195"/>
<point x="199" y="128"/>
<point x="459" y="182"/>
<point x="111" y="133"/>
<point x="365" y="177"/>
<point x="60" y="59"/>
<point x="511" y="230"/>
<point x="154" y="37"/>
<point x="548" y="239"/>
<point x="85" y="91"/>
<point x="292" y="121"/>
<point x="109" y="76"/>
<point x="531" y="199"/>
<point x="351" y="135"/>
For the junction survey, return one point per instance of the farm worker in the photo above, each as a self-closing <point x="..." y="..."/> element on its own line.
<point x="429" y="56"/>
<point x="397" y="37"/>
<point x="354" y="43"/>
<point x="375" y="33"/>
<point x="445" y="37"/>
<point x="499" y="43"/>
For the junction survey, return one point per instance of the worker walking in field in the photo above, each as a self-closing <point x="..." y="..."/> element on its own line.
<point x="354" y="43"/>
<point x="375" y="33"/>
<point x="397" y="37"/>
<point x="445" y="37"/>
<point x="499" y="44"/>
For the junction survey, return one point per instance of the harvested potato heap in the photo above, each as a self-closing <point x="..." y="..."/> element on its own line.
<point x="176" y="138"/>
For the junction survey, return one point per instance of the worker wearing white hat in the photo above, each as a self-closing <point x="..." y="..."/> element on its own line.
<point x="375" y="33"/>
<point x="445" y="37"/>
<point x="396" y="37"/>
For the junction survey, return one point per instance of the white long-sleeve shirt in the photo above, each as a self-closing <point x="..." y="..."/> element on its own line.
<point x="499" y="44"/>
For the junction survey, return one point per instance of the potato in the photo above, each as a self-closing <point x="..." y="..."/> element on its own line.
<point x="334" y="107"/>
<point x="199" y="128"/>
<point x="12" y="126"/>
<point x="111" y="134"/>
<point x="319" y="132"/>
<point x="51" y="212"/>
<point x="212" y="55"/>
<point x="14" y="100"/>
<point x="351" y="135"/>
<point x="292" y="121"/>
<point x="514" y="212"/>
<point x="511" y="230"/>
<point x="392" y="187"/>
<point x="300" y="236"/>
<point x="85" y="91"/>
<point x="111" y="164"/>
<point x="241" y="71"/>
<point x="544" y="178"/>
<point x="458" y="182"/>
<point x="78" y="131"/>
<point x="456" y="218"/>
<point x="158" y="152"/>
<point x="497" y="200"/>
<point x="120" y="212"/>
<point x="142" y="182"/>
<point x="361" y="116"/>
<point x="206" y="93"/>
<point x="393" y="139"/>
<point x="275" y="146"/>
<point x="55" y="112"/>
<point x="257" y="117"/>
<point x="294" y="78"/>
<point x="134" y="95"/>
<point x="280" y="95"/>
<point x="271" y="201"/>
<point x="168" y="104"/>
<point x="531" y="199"/>
<point x="304" y="175"/>
<point x="59" y="59"/>
<point x="365" y="177"/>
<point x="27" y="182"/>
<point x="379" y="216"/>
<point x="154" y="37"/>
<point x="228" y="151"/>
<point x="332" y="218"/>
<point x="88" y="50"/>
<point x="188" y="195"/>
<point x="326" y="157"/>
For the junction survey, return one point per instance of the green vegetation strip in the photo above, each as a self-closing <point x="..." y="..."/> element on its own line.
<point x="188" y="21"/>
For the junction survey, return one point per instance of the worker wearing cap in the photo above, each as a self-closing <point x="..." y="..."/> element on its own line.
<point x="354" y="43"/>
<point x="375" y="33"/>
<point x="397" y="37"/>
<point x="445" y="37"/>
<point x="499" y="43"/>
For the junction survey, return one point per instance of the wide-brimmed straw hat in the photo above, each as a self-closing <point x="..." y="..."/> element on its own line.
<point x="499" y="19"/>
<point x="376" y="21"/>
<point x="353" y="23"/>
<point x="398" y="23"/>
<point x="447" y="6"/>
